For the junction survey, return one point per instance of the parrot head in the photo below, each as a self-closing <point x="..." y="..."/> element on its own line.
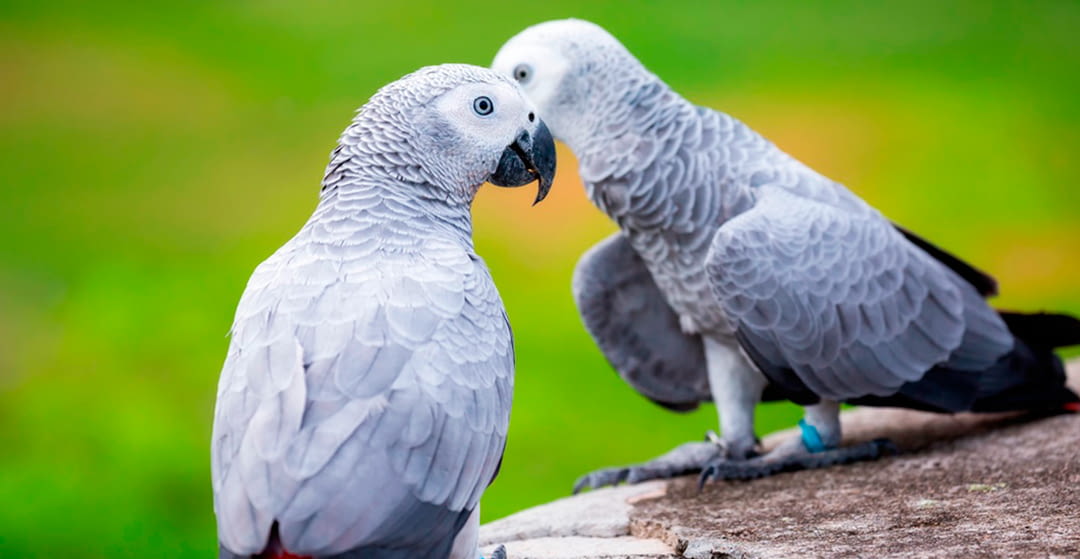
<point x="453" y="127"/>
<point x="571" y="70"/>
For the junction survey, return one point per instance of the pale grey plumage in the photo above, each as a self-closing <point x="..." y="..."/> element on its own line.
<point x="635" y="327"/>
<point x="740" y="274"/>
<point x="860" y="311"/>
<point x="364" y="402"/>
<point x="732" y="230"/>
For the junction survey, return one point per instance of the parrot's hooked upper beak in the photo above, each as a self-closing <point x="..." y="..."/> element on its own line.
<point x="531" y="157"/>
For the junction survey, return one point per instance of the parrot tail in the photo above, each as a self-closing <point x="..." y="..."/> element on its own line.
<point x="1032" y="377"/>
<point x="1042" y="329"/>
<point x="274" y="549"/>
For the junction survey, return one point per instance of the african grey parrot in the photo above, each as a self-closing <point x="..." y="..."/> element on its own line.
<point x="364" y="402"/>
<point x="740" y="274"/>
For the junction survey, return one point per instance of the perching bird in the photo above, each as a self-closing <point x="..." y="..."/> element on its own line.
<point x="364" y="402"/>
<point x="741" y="274"/>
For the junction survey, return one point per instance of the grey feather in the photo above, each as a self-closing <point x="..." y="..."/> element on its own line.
<point x="636" y="330"/>
<point x="369" y="387"/>
<point x="842" y="342"/>
<point x="364" y="403"/>
<point x="731" y="238"/>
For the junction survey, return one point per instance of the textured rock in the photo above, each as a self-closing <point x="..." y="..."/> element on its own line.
<point x="595" y="524"/>
<point x="965" y="486"/>
<point x="575" y="547"/>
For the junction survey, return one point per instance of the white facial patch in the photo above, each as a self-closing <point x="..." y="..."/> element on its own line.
<point x="546" y="67"/>
<point x="491" y="114"/>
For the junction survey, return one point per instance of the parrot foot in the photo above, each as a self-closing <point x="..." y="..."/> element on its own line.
<point x="793" y="456"/>
<point x="499" y="553"/>
<point x="683" y="459"/>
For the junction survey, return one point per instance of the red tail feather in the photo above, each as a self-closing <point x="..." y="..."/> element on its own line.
<point x="274" y="549"/>
<point x="281" y="554"/>
<point x="1072" y="406"/>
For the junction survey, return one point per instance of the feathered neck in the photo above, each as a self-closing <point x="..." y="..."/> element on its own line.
<point x="379" y="188"/>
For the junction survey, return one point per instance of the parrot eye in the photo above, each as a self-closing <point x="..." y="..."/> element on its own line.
<point x="483" y="106"/>
<point x="522" y="73"/>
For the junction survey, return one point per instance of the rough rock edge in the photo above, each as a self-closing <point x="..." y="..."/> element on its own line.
<point x="967" y="509"/>
<point x="594" y="524"/>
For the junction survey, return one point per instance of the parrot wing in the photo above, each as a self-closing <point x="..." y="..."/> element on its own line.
<point x="367" y="412"/>
<point x="638" y="333"/>
<point x="835" y="303"/>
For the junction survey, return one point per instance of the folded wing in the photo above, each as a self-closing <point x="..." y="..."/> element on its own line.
<point x="363" y="413"/>
<point x="836" y="303"/>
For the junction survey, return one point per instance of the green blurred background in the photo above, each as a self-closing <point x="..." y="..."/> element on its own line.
<point x="150" y="157"/>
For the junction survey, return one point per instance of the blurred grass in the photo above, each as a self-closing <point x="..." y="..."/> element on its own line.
<point x="152" y="155"/>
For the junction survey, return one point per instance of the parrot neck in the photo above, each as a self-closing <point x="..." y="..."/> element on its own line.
<point x="364" y="154"/>
<point x="368" y="187"/>
<point x="650" y="152"/>
<point x="644" y="102"/>
<point x="365" y="206"/>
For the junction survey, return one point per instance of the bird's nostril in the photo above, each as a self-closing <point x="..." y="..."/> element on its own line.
<point x="532" y="117"/>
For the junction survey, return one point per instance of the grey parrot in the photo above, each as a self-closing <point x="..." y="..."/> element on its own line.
<point x="364" y="402"/>
<point x="740" y="274"/>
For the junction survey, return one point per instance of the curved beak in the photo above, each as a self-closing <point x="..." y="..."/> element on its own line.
<point x="530" y="158"/>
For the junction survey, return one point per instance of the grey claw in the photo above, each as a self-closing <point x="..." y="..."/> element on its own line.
<point x="499" y="553"/>
<point x="601" y="478"/>
<point x="703" y="477"/>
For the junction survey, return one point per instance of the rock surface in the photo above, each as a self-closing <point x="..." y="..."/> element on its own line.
<point x="964" y="486"/>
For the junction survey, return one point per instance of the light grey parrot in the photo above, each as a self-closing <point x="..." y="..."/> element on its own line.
<point x="741" y="274"/>
<point x="364" y="402"/>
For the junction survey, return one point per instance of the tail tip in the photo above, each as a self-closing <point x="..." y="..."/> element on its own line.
<point x="274" y="549"/>
<point x="1071" y="407"/>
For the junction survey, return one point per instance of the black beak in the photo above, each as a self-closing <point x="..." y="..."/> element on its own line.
<point x="530" y="158"/>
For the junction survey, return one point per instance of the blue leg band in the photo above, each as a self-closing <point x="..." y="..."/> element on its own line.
<point x="810" y="437"/>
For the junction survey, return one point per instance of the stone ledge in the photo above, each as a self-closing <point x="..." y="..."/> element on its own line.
<point x="574" y="547"/>
<point x="966" y="485"/>
<point x="594" y="524"/>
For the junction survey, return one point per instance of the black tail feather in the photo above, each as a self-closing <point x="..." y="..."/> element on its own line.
<point x="1043" y="330"/>
<point x="1033" y="377"/>
<point x="1029" y="378"/>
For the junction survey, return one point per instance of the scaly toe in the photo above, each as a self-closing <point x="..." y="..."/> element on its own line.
<point x="601" y="478"/>
<point x="790" y="461"/>
<point x="683" y="459"/>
